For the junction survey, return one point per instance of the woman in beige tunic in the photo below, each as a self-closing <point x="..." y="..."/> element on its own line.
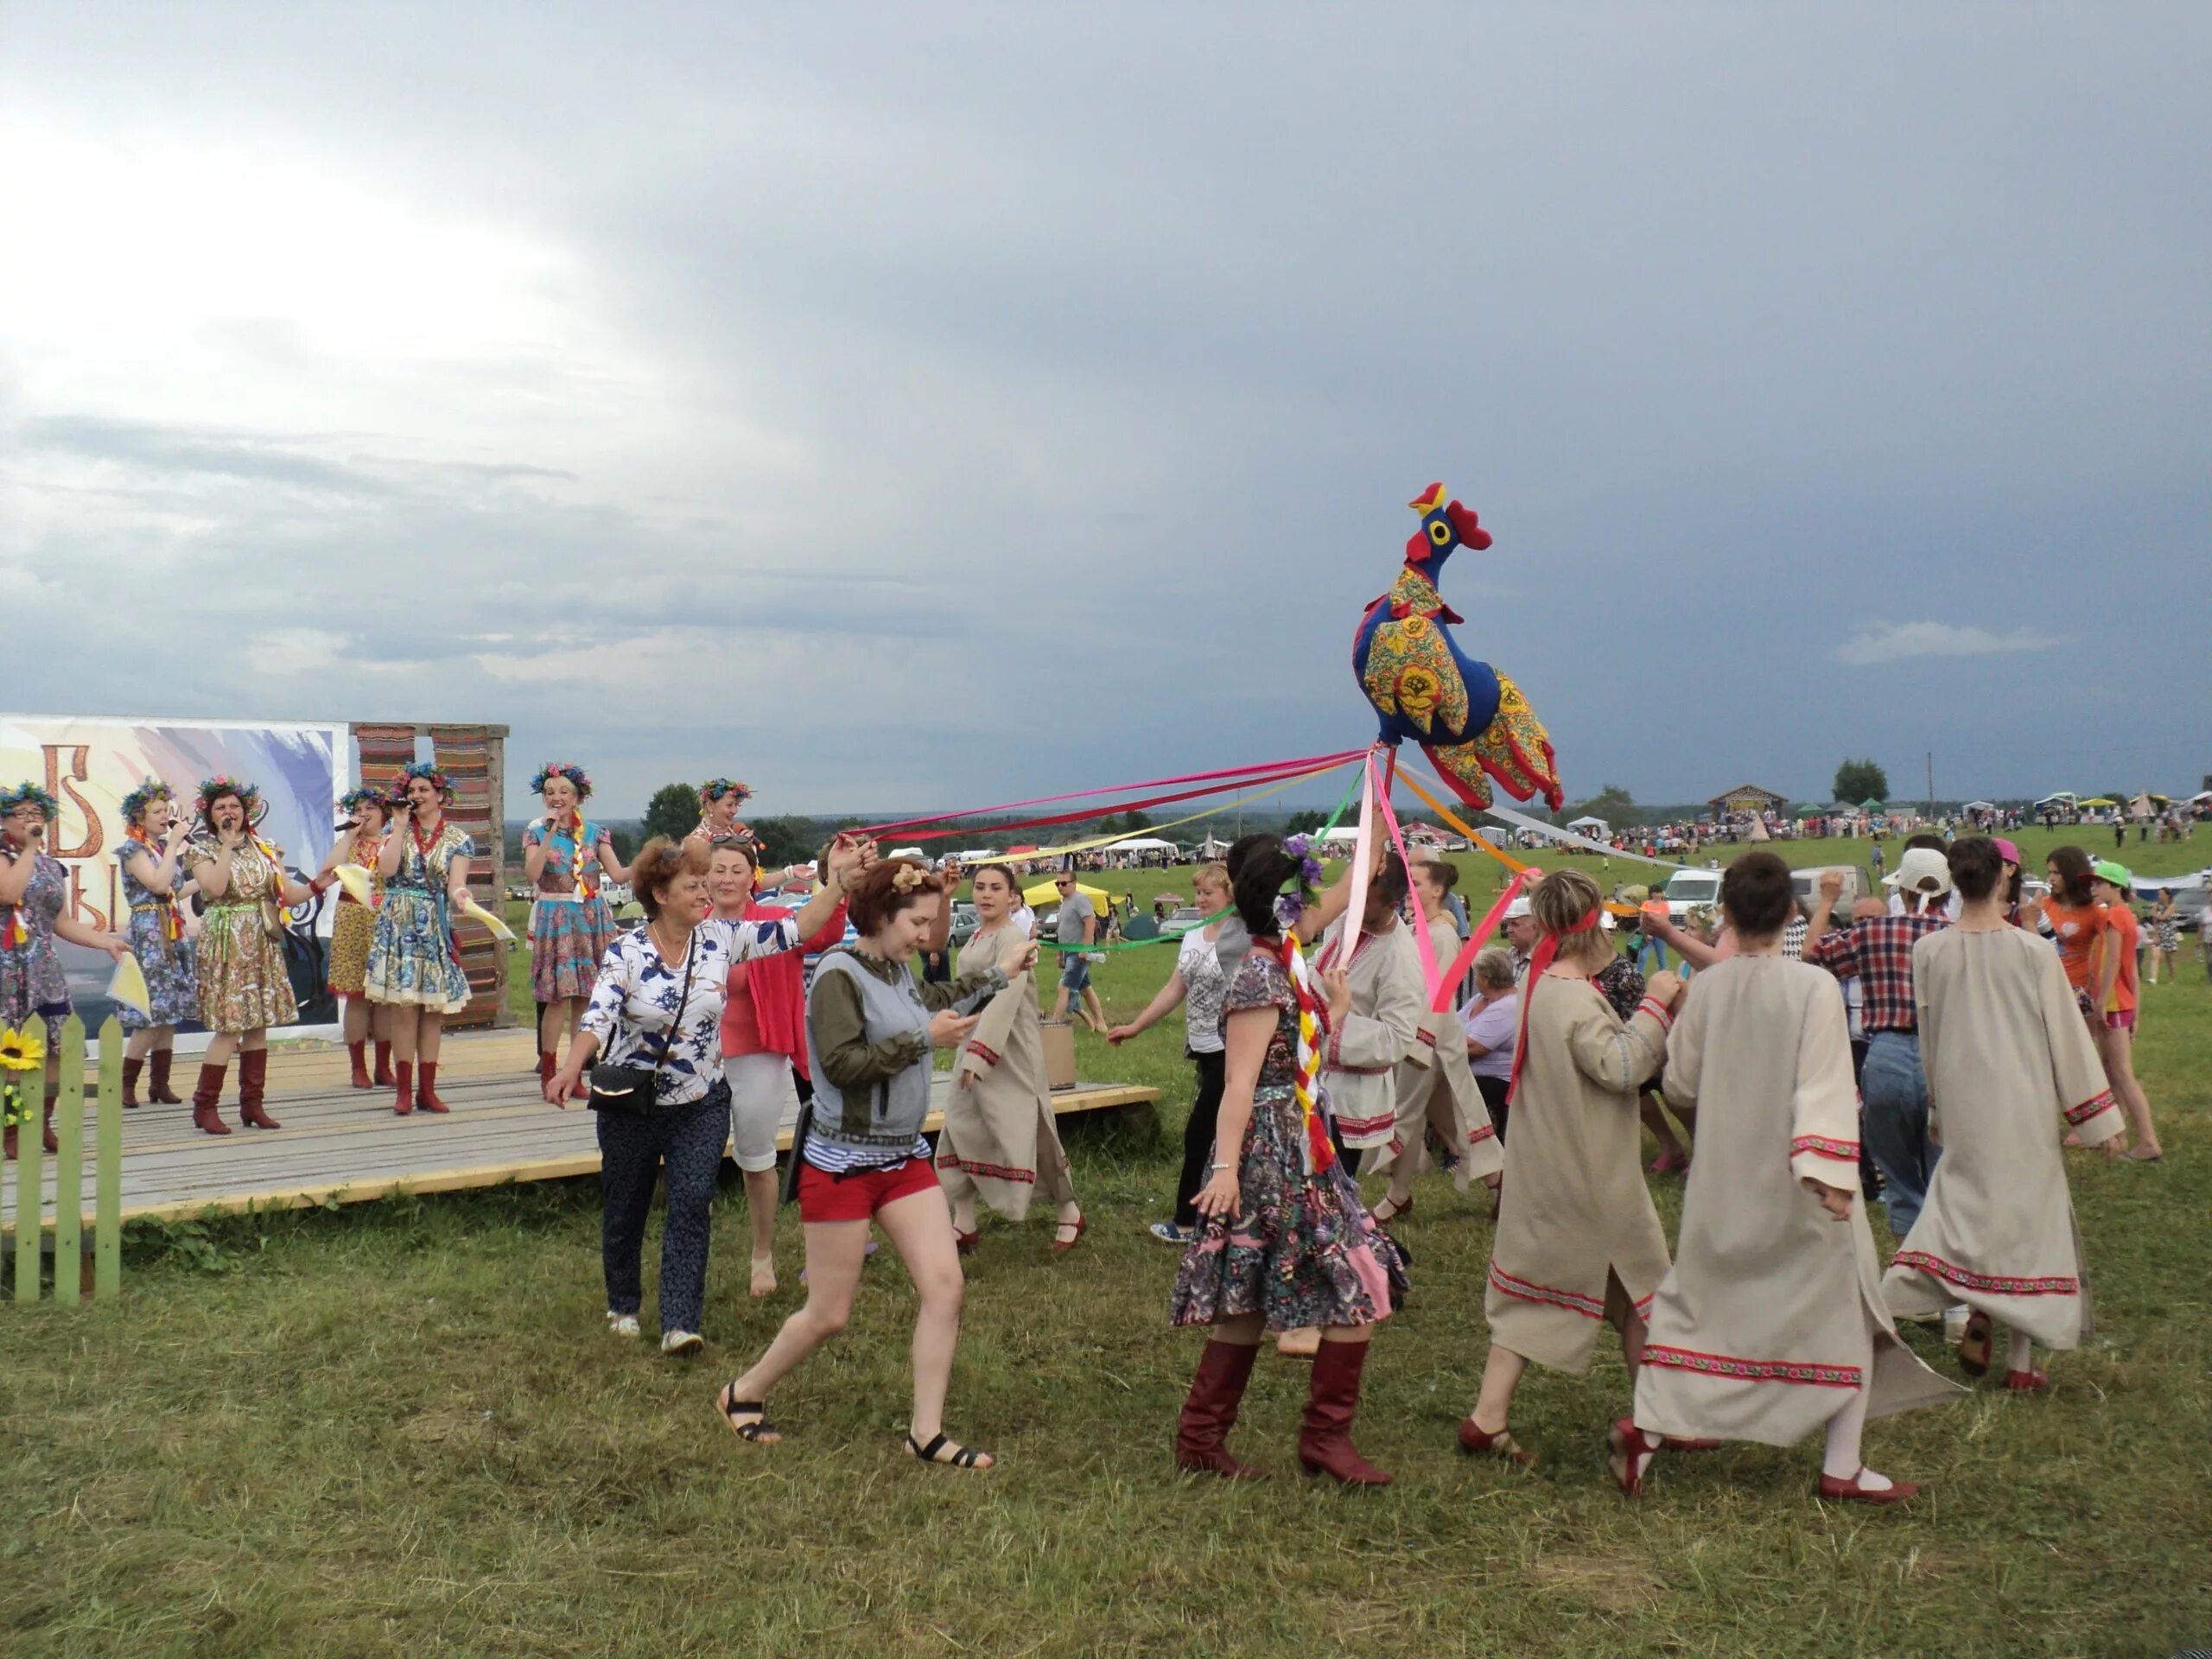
<point x="1432" y="1089"/>
<point x="1000" y="1142"/>
<point x="1578" y="1243"/>
<point x="1387" y="999"/>
<point x="2010" y="1068"/>
<point x="1771" y="1325"/>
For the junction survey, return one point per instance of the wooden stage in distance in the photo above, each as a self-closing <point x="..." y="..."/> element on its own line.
<point x="346" y="1145"/>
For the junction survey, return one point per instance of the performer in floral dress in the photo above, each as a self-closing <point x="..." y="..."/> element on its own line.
<point x="1286" y="1242"/>
<point x="150" y="861"/>
<point x="564" y="855"/>
<point x="33" y="888"/>
<point x="353" y="928"/>
<point x="243" y="987"/>
<point x="414" y="968"/>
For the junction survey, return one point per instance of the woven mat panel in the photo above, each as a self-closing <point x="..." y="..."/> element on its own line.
<point x="471" y="756"/>
<point x="384" y="750"/>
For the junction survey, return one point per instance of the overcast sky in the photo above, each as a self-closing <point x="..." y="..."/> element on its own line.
<point x="927" y="405"/>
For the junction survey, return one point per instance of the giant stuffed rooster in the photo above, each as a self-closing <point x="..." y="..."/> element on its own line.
<point x="1468" y="718"/>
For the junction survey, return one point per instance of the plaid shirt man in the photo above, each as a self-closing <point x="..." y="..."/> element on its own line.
<point x="1877" y="952"/>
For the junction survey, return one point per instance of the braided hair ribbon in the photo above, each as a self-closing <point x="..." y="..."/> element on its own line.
<point x="1318" y="1149"/>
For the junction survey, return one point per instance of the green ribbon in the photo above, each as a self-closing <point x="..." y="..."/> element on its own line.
<point x="1329" y="824"/>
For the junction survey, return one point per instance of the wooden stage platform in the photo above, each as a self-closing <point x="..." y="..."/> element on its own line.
<point x="346" y="1145"/>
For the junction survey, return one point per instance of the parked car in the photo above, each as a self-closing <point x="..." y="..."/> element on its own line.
<point x="964" y="923"/>
<point x="1181" y="921"/>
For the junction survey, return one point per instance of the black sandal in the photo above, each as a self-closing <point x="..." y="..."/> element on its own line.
<point x="963" y="1456"/>
<point x="759" y="1430"/>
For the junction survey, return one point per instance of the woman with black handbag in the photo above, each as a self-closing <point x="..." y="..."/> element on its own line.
<point x="654" y="1022"/>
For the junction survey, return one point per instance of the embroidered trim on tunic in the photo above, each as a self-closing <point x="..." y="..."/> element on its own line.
<point x="1351" y="1125"/>
<point x="946" y="1161"/>
<point x="988" y="1055"/>
<point x="1425" y="1035"/>
<point x="1481" y="1132"/>
<point x="1573" y="1301"/>
<point x="1658" y="1011"/>
<point x="2089" y="1107"/>
<point x="1842" y="1150"/>
<point x="1996" y="1284"/>
<point x="1753" y="1371"/>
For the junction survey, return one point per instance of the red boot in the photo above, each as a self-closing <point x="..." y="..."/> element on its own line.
<point x="359" y="1053"/>
<point x="403" y="1076"/>
<point x="131" y="1071"/>
<point x="253" y="1078"/>
<point x="8" y="1144"/>
<point x="546" y="1067"/>
<point x="157" y="1080"/>
<point x="1210" y="1412"/>
<point x="1332" y="1399"/>
<point x="426" y="1092"/>
<point x="51" y="1144"/>
<point x="383" y="1077"/>
<point x="208" y="1100"/>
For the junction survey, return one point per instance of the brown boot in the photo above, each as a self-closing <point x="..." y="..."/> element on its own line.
<point x="1331" y="1401"/>
<point x="157" y="1080"/>
<point x="131" y="1071"/>
<point x="426" y="1091"/>
<point x="8" y="1144"/>
<point x="1210" y="1412"/>
<point x="403" y="1077"/>
<point x="208" y="1100"/>
<point x="359" y="1053"/>
<point x="253" y="1078"/>
<point x="51" y="1144"/>
<point x="382" y="1078"/>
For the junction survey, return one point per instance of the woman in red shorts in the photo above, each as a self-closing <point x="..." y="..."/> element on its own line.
<point x="859" y="1155"/>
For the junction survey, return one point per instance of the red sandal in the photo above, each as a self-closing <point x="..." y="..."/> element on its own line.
<point x="2028" y="1381"/>
<point x="1850" y="1492"/>
<point x="1629" y="1451"/>
<point x="1477" y="1442"/>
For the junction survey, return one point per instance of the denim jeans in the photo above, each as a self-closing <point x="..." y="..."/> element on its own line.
<point x="1896" y="1091"/>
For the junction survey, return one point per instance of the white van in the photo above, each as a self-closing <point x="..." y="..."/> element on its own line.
<point x="1807" y="885"/>
<point x="1687" y="889"/>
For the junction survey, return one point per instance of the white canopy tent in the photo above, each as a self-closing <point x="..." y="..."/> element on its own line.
<point x="1143" y="844"/>
<point x="1342" y="836"/>
<point x="1978" y="806"/>
<point x="1587" y="826"/>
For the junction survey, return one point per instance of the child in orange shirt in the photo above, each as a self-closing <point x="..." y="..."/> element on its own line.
<point x="2114" y="995"/>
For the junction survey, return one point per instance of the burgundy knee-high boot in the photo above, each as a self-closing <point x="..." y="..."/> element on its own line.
<point x="1332" y="1401"/>
<point x="157" y="1080"/>
<point x="382" y="1078"/>
<point x="404" y="1075"/>
<point x="359" y="1054"/>
<point x="253" y="1078"/>
<point x="208" y="1100"/>
<point x="426" y="1088"/>
<point x="131" y="1071"/>
<point x="1210" y="1412"/>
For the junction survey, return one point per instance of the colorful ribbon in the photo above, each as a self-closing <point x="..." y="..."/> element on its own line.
<point x="1302" y="769"/>
<point x="1317" y="1149"/>
<point x="1546" y="953"/>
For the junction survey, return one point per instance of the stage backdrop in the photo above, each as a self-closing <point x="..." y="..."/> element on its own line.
<point x="90" y="764"/>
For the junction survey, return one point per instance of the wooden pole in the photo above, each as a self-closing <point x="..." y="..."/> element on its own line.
<point x="107" y="1220"/>
<point x="30" y="1154"/>
<point x="69" y="1167"/>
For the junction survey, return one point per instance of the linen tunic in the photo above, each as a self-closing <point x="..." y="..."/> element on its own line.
<point x="1000" y="1142"/>
<point x="1771" y="1318"/>
<point x="2010" y="1068"/>
<point x="1433" y="1087"/>
<point x="1388" y="1000"/>
<point x="1575" y="1209"/>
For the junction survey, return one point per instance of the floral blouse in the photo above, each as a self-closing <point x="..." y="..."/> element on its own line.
<point x="635" y="1001"/>
<point x="566" y="860"/>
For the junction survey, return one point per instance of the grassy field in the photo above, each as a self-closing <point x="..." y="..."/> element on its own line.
<point x="402" y="1429"/>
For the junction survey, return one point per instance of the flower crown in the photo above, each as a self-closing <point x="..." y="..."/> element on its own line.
<point x="223" y="784"/>
<point x="354" y="799"/>
<point x="567" y="769"/>
<point x="28" y="794"/>
<point x="715" y="788"/>
<point x="427" y="769"/>
<point x="145" y="796"/>
<point x="1290" y="905"/>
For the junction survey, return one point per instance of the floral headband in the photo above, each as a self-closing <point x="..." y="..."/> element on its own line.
<point x="145" y="796"/>
<point x="715" y="788"/>
<point x="1290" y="906"/>
<point x="354" y="799"/>
<point x="552" y="769"/>
<point x="424" y="769"/>
<point x="28" y="794"/>
<point x="223" y="784"/>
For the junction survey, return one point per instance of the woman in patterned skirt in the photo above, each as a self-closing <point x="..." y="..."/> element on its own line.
<point x="34" y="888"/>
<point x="563" y="856"/>
<point x="244" y="988"/>
<point x="161" y="934"/>
<point x="1286" y="1243"/>
<point x="360" y="842"/>
<point x="414" y="968"/>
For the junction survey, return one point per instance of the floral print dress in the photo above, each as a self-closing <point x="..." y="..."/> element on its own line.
<point x="571" y="925"/>
<point x="412" y="960"/>
<point x="240" y="964"/>
<point x="31" y="980"/>
<point x="1300" y="1248"/>
<point x="172" y="989"/>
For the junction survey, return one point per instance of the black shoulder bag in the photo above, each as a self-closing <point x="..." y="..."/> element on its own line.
<point x="630" y="1088"/>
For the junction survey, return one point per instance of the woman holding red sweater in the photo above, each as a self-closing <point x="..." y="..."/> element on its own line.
<point x="764" y="1038"/>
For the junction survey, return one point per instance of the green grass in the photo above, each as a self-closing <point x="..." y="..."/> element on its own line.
<point x="400" y="1428"/>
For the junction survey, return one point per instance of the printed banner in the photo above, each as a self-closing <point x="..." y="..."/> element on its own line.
<point x="89" y="765"/>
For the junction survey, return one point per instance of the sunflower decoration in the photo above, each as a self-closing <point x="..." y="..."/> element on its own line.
<point x="20" y="1051"/>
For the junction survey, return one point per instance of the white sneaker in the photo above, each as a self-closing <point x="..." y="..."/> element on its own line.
<point x="681" y="1344"/>
<point x="621" y="1324"/>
